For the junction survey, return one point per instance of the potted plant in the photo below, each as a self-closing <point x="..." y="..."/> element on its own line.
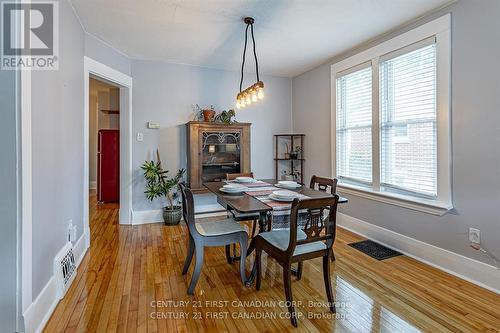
<point x="158" y="185"/>
<point x="294" y="154"/>
<point x="208" y="114"/>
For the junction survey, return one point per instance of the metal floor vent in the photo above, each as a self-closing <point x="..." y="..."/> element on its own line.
<point x="64" y="269"/>
<point x="375" y="250"/>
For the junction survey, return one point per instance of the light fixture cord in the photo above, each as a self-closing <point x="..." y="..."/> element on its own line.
<point x="255" y="55"/>
<point x="244" y="53"/>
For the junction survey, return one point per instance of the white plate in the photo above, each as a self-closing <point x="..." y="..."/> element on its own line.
<point x="238" y="190"/>
<point x="288" y="182"/>
<point x="297" y="185"/>
<point x="233" y="186"/>
<point x="285" y="194"/>
<point x="244" y="179"/>
<point x="275" y="198"/>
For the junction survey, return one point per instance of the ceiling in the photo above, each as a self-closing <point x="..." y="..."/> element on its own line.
<point x="292" y="36"/>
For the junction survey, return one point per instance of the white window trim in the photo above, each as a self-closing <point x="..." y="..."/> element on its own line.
<point x="440" y="29"/>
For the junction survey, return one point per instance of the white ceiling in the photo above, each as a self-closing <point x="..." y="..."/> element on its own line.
<point x="292" y="35"/>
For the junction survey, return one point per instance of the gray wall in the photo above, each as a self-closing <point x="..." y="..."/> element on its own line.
<point x="8" y="200"/>
<point x="166" y="92"/>
<point x="57" y="138"/>
<point x="99" y="51"/>
<point x="475" y="135"/>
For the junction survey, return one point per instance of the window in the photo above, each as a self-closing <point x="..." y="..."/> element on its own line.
<point x="408" y="150"/>
<point x="354" y="126"/>
<point x="390" y="108"/>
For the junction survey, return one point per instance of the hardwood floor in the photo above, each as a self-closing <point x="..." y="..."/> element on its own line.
<point x="130" y="280"/>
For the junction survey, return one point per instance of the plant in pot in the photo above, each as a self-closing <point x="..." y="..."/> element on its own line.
<point x="159" y="184"/>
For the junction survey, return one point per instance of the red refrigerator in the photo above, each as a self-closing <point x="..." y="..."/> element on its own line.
<point x="108" y="165"/>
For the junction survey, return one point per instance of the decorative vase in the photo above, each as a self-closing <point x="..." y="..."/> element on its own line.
<point x="208" y="115"/>
<point x="172" y="216"/>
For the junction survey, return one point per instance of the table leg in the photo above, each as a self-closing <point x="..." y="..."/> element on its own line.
<point x="264" y="225"/>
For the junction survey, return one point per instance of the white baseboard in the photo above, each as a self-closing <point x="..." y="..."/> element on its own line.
<point x="92" y="185"/>
<point x="38" y="313"/>
<point x="156" y="215"/>
<point x="471" y="270"/>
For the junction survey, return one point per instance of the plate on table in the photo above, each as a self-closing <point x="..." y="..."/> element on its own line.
<point x="233" y="190"/>
<point x="283" y="199"/>
<point x="244" y="179"/>
<point x="288" y="184"/>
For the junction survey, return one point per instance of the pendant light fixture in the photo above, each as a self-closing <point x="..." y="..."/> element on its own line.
<point x="256" y="91"/>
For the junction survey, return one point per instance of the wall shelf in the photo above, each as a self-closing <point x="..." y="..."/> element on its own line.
<point x="284" y="145"/>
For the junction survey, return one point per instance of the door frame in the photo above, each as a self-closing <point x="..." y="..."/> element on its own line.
<point x="124" y="81"/>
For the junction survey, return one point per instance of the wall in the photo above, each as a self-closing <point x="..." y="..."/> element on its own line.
<point x="100" y="51"/>
<point x="475" y="119"/>
<point x="57" y="141"/>
<point x="9" y="146"/>
<point x="166" y="92"/>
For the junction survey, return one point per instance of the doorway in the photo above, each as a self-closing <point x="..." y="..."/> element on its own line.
<point x="119" y="84"/>
<point x="104" y="142"/>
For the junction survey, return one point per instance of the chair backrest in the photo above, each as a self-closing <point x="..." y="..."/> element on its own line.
<point x="316" y="227"/>
<point x="323" y="184"/>
<point x="188" y="209"/>
<point x="232" y="176"/>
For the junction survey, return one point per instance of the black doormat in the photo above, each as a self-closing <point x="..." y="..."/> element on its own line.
<point x="375" y="250"/>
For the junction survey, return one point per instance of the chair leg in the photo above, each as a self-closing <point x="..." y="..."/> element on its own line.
<point x="332" y="255"/>
<point x="328" y="284"/>
<point x="287" y="282"/>
<point x="258" y="258"/>
<point x="243" y="256"/>
<point x="197" y="268"/>
<point x="254" y="227"/>
<point x="228" y="254"/>
<point x="299" y="270"/>
<point x="189" y="257"/>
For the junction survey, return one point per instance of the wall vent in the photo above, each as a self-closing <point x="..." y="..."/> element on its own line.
<point x="64" y="269"/>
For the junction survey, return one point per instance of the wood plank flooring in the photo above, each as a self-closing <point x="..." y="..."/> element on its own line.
<point x="131" y="281"/>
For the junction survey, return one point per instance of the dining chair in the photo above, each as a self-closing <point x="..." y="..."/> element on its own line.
<point x="296" y="244"/>
<point x="207" y="234"/>
<point x="240" y="217"/>
<point x="322" y="184"/>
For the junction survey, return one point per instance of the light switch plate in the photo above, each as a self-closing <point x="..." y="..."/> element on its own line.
<point x="153" y="125"/>
<point x="140" y="136"/>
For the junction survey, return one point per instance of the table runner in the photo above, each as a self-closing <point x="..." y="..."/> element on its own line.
<point x="281" y="210"/>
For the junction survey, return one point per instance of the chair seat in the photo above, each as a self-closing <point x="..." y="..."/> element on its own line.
<point x="222" y="227"/>
<point x="280" y="240"/>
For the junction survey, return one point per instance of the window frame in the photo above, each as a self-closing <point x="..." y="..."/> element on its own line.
<point x="440" y="30"/>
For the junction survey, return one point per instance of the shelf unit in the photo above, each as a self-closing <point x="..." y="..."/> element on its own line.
<point x="292" y="141"/>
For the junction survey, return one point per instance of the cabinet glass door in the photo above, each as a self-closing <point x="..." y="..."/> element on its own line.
<point x="220" y="155"/>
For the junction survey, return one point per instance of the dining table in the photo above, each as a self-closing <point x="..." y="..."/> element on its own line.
<point x="245" y="203"/>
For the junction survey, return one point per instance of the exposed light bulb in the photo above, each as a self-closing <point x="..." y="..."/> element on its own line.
<point x="242" y="103"/>
<point x="260" y="93"/>
<point x="248" y="99"/>
<point x="254" y="96"/>
<point x="238" y="106"/>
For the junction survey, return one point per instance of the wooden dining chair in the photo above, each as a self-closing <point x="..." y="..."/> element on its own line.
<point x="322" y="184"/>
<point x="206" y="234"/>
<point x="314" y="240"/>
<point x="240" y="217"/>
<point x="233" y="176"/>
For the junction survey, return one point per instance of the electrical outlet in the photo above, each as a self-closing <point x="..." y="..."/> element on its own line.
<point x="140" y="136"/>
<point x="474" y="235"/>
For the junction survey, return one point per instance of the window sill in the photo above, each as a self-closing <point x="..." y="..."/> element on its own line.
<point x="421" y="205"/>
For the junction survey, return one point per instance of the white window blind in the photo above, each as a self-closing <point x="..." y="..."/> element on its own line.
<point x="354" y="126"/>
<point x="408" y="138"/>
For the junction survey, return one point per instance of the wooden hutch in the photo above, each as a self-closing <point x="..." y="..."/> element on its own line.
<point x="214" y="149"/>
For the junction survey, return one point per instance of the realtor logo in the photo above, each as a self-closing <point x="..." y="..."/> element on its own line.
<point x="30" y="35"/>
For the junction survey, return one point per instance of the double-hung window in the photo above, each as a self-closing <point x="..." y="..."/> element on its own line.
<point x="391" y="120"/>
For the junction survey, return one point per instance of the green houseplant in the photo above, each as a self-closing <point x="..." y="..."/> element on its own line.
<point x="159" y="184"/>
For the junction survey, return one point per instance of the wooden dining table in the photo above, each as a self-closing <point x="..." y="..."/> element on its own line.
<point x="247" y="204"/>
